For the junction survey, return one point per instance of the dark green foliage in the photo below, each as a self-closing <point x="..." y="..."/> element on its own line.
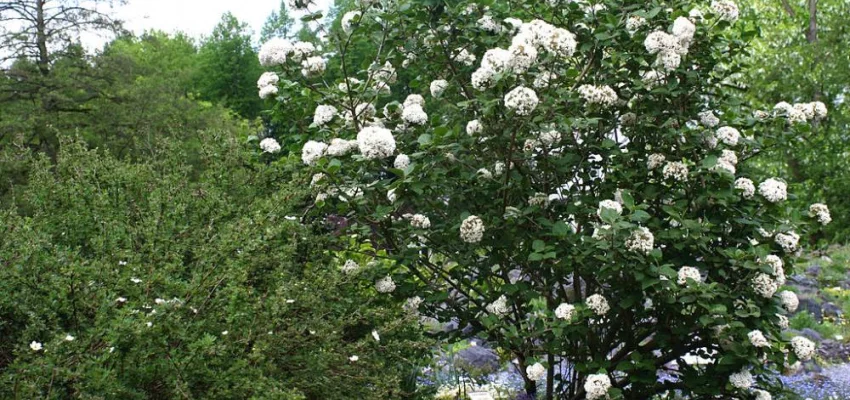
<point x="242" y="301"/>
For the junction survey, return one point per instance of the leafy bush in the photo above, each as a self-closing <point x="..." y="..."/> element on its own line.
<point x="575" y="189"/>
<point x="132" y="280"/>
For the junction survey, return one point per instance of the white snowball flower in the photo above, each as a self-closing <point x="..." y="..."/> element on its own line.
<point x="35" y="346"/>
<point x="274" y="52"/>
<point x="350" y="267"/>
<point x="773" y="190"/>
<point x="268" y="91"/>
<point x="598" y="304"/>
<point x="312" y="67"/>
<point x="420" y="221"/>
<point x="757" y="339"/>
<point x="267" y="79"/>
<point x="610" y="205"/>
<point x="522" y="57"/>
<point x="728" y="135"/>
<point x="411" y="305"/>
<point x="340" y="147"/>
<point x="324" y="114"/>
<point x="543" y="79"/>
<point x="385" y="285"/>
<point x="375" y="142"/>
<point x="349" y="20"/>
<point x="668" y="60"/>
<point x="472" y="229"/>
<point x="602" y="95"/>
<point x="313" y="151"/>
<point x="596" y="386"/>
<point x="641" y="241"/>
<point x="662" y="42"/>
<point x="560" y="42"/>
<point x="438" y="87"/>
<point x="474" y="127"/>
<point x="498" y="60"/>
<point x="655" y="160"/>
<point x="803" y="348"/>
<point x="708" y="119"/>
<point x="742" y="380"/>
<point x="746" y="186"/>
<point x="762" y="394"/>
<point x="725" y="10"/>
<point x="414" y="99"/>
<point x="402" y="161"/>
<point x="302" y="50"/>
<point x="269" y="145"/>
<point x="634" y="23"/>
<point x="686" y="273"/>
<point x="483" y="78"/>
<point x="387" y="74"/>
<point x="808" y="109"/>
<point x="391" y="195"/>
<point x="353" y="358"/>
<point x="819" y="109"/>
<point x="565" y="311"/>
<point x="789" y="300"/>
<point x="522" y="100"/>
<point x="487" y="23"/>
<point x="821" y="212"/>
<point x="464" y="57"/>
<point x="788" y="241"/>
<point x="676" y="170"/>
<point x="536" y="372"/>
<point x="764" y="285"/>
<point x="414" y="115"/>
<point x="499" y="307"/>
<point x="684" y="30"/>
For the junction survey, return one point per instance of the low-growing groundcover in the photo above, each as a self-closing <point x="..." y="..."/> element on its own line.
<point x="129" y="280"/>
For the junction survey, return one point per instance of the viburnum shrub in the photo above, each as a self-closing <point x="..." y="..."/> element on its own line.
<point x="568" y="180"/>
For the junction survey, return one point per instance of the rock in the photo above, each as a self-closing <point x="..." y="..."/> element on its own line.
<point x="834" y="351"/>
<point x="812" y="334"/>
<point x="802" y="281"/>
<point x="813" y="271"/>
<point x="812" y="307"/>
<point x="478" y="360"/>
<point x="831" y="310"/>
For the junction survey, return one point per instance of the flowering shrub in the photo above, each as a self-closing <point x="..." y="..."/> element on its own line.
<point x="585" y="181"/>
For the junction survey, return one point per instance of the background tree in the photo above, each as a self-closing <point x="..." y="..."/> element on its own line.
<point x="228" y="67"/>
<point x="278" y="24"/>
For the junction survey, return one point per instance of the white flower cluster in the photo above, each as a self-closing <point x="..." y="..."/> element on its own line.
<point x="762" y="394"/>
<point x="641" y="240"/>
<point x="602" y="95"/>
<point x="783" y="322"/>
<point x="800" y="112"/>
<point x="773" y="190"/>
<point x="413" y="113"/>
<point x="530" y="39"/>
<point x="376" y="142"/>
<point x="609" y="205"/>
<point x="499" y="307"/>
<point x="536" y="372"/>
<point x="728" y="135"/>
<point x="676" y="170"/>
<point x="757" y="339"/>
<point x="539" y="200"/>
<point x="411" y="305"/>
<point x="312" y="67"/>
<point x="420" y="221"/>
<point x="671" y="47"/>
<point x="742" y="380"/>
<point x="385" y="285"/>
<point x="598" y="304"/>
<point x="313" y="151"/>
<point x="350" y="267"/>
<point x="691" y="273"/>
<point x="655" y="160"/>
<point x="402" y="161"/>
<point x="324" y="114"/>
<point x="789" y="300"/>
<point x="821" y="212"/>
<point x="340" y="147"/>
<point x="634" y="23"/>
<point x="350" y="20"/>
<point x="725" y="9"/>
<point x="708" y="119"/>
<point x="268" y="84"/>
<point x="464" y="57"/>
<point x="746" y="186"/>
<point x="522" y="100"/>
<point x="803" y="348"/>
<point x="472" y="229"/>
<point x="777" y="266"/>
<point x="764" y="285"/>
<point x="474" y="127"/>
<point x="274" y="52"/>
<point x="788" y="241"/>
<point x="727" y="162"/>
<point x="565" y="311"/>
<point x="438" y="87"/>
<point x="269" y="145"/>
<point x="596" y="386"/>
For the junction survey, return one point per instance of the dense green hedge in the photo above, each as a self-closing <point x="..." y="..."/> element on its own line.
<point x="182" y="283"/>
